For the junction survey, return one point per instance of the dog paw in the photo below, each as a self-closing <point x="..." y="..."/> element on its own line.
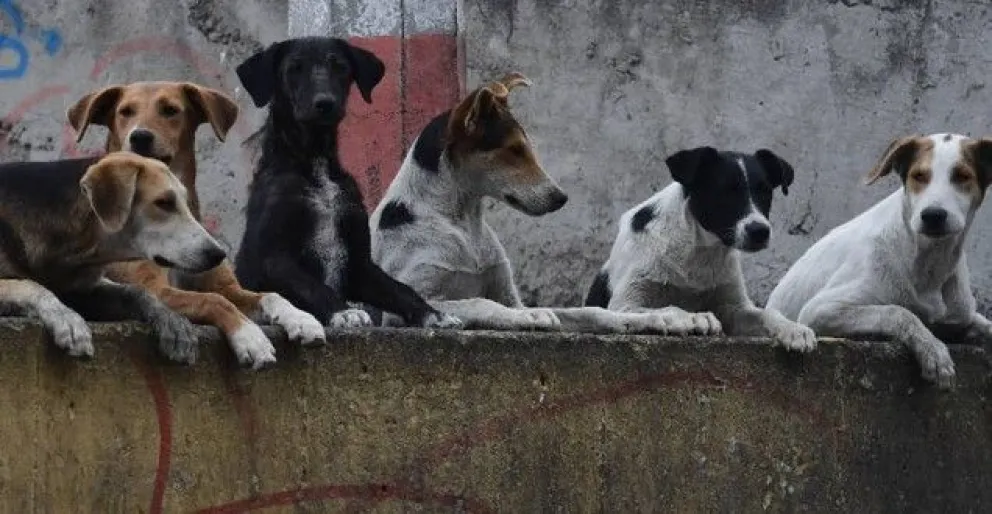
<point x="70" y="332"/>
<point x="937" y="365"/>
<point x="252" y="347"/>
<point x="539" y="319"/>
<point x="795" y="337"/>
<point x="442" y="320"/>
<point x="299" y="325"/>
<point x="351" y="318"/>
<point x="176" y="337"/>
<point x="673" y="321"/>
<point x="704" y="324"/>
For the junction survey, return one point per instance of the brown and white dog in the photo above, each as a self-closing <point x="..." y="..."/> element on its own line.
<point x="159" y="120"/>
<point x="898" y="270"/>
<point x="429" y="230"/>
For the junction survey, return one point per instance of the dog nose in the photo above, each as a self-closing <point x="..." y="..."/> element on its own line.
<point x="214" y="256"/>
<point x="757" y="232"/>
<point x="141" y="142"/>
<point x="325" y="104"/>
<point x="558" y="200"/>
<point x="933" y="217"/>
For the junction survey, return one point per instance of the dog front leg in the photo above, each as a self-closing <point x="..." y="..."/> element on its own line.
<point x="304" y="291"/>
<point x="639" y="309"/>
<point x="68" y="329"/>
<point x="749" y="320"/>
<point x="110" y="301"/>
<point x="271" y="307"/>
<point x="372" y="285"/>
<point x="830" y="317"/>
<point x="664" y="321"/>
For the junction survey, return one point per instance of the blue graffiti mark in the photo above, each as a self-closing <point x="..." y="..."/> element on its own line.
<point x="51" y="40"/>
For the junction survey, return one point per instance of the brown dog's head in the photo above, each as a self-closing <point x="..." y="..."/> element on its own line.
<point x="142" y="203"/>
<point x="488" y="148"/>
<point x="154" y="119"/>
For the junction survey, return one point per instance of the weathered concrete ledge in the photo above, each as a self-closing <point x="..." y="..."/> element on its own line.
<point x="398" y="420"/>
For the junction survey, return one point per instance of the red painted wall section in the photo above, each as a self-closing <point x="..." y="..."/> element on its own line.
<point x="422" y="80"/>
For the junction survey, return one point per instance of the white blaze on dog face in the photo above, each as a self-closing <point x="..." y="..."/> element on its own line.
<point x="141" y="200"/>
<point x="486" y="143"/>
<point x="944" y="180"/>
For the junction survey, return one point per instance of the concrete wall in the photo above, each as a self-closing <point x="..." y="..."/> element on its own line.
<point x="400" y="421"/>
<point x="620" y="84"/>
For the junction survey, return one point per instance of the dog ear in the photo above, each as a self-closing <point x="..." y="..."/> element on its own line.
<point x="214" y="107"/>
<point x="980" y="153"/>
<point x="685" y="164"/>
<point x="367" y="70"/>
<point x="258" y="73"/>
<point x="515" y="79"/>
<point x="110" y="185"/>
<point x="96" y="108"/>
<point x="899" y="154"/>
<point x="780" y="172"/>
<point x="474" y="109"/>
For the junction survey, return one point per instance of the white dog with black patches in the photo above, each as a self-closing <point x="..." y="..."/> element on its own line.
<point x="681" y="247"/>
<point x="898" y="270"/>
<point x="429" y="231"/>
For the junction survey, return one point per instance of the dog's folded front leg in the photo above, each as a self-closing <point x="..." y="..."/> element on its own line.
<point x="664" y="321"/>
<point x="481" y="313"/>
<point x="271" y="307"/>
<point x="836" y="319"/>
<point x="313" y="296"/>
<point x="749" y="320"/>
<point x="110" y="301"/>
<point x="375" y="287"/>
<point x="67" y="328"/>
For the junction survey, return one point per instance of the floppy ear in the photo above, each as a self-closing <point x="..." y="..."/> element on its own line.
<point x="97" y="108"/>
<point x="214" y="107"/>
<point x="109" y="185"/>
<point x="684" y="164"/>
<point x="367" y="69"/>
<point x="258" y="73"/>
<point x="780" y="172"/>
<point x="899" y="154"/>
<point x="980" y="153"/>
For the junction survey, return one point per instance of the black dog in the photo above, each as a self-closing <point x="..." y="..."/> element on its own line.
<point x="307" y="234"/>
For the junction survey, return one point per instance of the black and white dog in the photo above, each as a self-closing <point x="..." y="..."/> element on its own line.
<point x="307" y="235"/>
<point x="681" y="247"/>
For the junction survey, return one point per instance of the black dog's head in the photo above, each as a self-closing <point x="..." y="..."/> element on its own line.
<point x="730" y="193"/>
<point x="310" y="77"/>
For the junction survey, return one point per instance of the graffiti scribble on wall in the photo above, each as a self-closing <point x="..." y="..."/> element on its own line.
<point x="15" y="36"/>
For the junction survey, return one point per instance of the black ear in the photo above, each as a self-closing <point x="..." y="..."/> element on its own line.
<point x="367" y="69"/>
<point x="685" y="164"/>
<point x="780" y="172"/>
<point x="258" y="73"/>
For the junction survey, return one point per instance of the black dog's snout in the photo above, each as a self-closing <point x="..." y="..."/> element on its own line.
<point x="933" y="217"/>
<point x="141" y="141"/>
<point x="757" y="232"/>
<point x="325" y="104"/>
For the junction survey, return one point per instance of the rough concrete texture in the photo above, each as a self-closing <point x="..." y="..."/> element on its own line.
<point x="395" y="421"/>
<point x="67" y="48"/>
<point x="621" y="84"/>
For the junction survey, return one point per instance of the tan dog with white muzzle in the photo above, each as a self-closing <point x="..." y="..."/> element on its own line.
<point x="159" y="120"/>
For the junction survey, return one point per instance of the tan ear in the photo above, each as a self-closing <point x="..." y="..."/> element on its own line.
<point x="466" y="117"/>
<point x="515" y="79"/>
<point x="110" y="185"/>
<point x="899" y="154"/>
<point x="214" y="107"/>
<point x="97" y="108"/>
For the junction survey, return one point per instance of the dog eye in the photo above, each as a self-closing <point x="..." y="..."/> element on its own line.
<point x="168" y="111"/>
<point x="960" y="178"/>
<point x="127" y="112"/>
<point x="166" y="204"/>
<point x="918" y="176"/>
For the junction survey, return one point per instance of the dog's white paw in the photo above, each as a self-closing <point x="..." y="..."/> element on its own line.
<point x="673" y="321"/>
<point x="538" y="319"/>
<point x="937" y="365"/>
<point x="351" y="318"/>
<point x="176" y="336"/>
<point x="704" y="324"/>
<point x="70" y="332"/>
<point x="442" y="320"/>
<point x="795" y="337"/>
<point x="252" y="347"/>
<point x="299" y="325"/>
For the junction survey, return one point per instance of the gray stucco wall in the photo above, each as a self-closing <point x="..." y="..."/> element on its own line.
<point x="620" y="84"/>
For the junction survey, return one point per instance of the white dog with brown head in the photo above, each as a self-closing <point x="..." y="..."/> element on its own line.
<point x="898" y="270"/>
